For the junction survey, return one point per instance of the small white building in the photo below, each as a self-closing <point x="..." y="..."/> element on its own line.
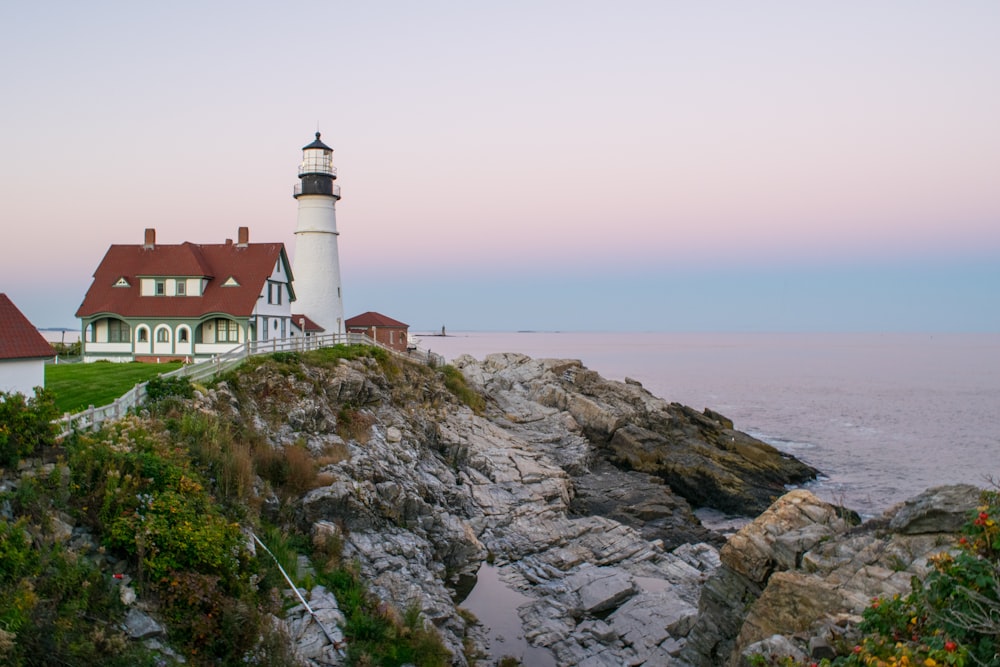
<point x="23" y="351"/>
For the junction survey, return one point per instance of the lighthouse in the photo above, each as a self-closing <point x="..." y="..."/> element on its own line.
<point x="317" y="263"/>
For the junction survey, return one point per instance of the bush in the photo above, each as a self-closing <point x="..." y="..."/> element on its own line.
<point x="150" y="503"/>
<point x="25" y="425"/>
<point x="56" y="607"/>
<point x="160" y="387"/>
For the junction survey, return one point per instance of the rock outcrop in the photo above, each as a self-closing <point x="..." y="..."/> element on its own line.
<point x="698" y="455"/>
<point x="800" y="575"/>
<point x="578" y="489"/>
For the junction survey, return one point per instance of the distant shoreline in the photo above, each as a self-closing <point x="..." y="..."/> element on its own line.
<point x="60" y="335"/>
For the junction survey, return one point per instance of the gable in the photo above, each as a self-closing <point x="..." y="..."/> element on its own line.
<point x="19" y="339"/>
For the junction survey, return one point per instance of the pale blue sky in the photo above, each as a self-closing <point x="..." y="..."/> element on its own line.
<point x="527" y="165"/>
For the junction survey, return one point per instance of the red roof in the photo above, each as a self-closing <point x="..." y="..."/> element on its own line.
<point x="19" y="339"/>
<point x="304" y="323"/>
<point x="248" y="265"/>
<point x="373" y="319"/>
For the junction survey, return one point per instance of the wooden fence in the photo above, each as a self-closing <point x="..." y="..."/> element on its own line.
<point x="92" y="417"/>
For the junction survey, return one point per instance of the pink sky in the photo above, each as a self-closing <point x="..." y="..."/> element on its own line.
<point x="480" y="139"/>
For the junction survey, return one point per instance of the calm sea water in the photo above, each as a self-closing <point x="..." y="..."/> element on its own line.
<point x="884" y="416"/>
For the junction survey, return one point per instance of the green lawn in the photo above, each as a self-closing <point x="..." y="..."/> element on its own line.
<point x="77" y="386"/>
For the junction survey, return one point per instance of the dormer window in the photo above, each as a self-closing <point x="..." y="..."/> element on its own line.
<point x="181" y="287"/>
<point x="122" y="282"/>
<point x="230" y="282"/>
<point x="161" y="288"/>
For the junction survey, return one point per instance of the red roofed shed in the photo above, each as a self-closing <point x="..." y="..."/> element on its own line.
<point x="391" y="333"/>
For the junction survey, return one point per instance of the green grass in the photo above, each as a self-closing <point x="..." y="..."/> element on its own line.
<point x="77" y="386"/>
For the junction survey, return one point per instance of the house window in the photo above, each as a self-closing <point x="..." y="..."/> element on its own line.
<point x="162" y="335"/>
<point x="118" y="331"/>
<point x="182" y="336"/>
<point x="227" y="331"/>
<point x="274" y="293"/>
<point x="143" y="335"/>
<point x="161" y="287"/>
<point x="181" y="287"/>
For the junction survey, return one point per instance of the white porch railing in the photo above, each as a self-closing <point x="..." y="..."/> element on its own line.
<point x="92" y="417"/>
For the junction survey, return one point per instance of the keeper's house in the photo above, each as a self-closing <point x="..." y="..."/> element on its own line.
<point x="23" y="351"/>
<point x="153" y="302"/>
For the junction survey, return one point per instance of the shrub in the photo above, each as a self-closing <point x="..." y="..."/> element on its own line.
<point x="160" y="387"/>
<point x="25" y="424"/>
<point x="146" y="497"/>
<point x="152" y="505"/>
<point x="57" y="607"/>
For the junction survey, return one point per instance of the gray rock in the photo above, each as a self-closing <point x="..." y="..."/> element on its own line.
<point x="600" y="588"/>
<point x="127" y="595"/>
<point x="942" y="509"/>
<point x="140" y="625"/>
<point x="773" y="649"/>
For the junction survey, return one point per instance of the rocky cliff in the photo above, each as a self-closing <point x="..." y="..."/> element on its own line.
<point x="576" y="491"/>
<point x="579" y="490"/>
<point x="795" y="581"/>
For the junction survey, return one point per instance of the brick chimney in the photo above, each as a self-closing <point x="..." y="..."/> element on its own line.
<point x="150" y="240"/>
<point x="243" y="237"/>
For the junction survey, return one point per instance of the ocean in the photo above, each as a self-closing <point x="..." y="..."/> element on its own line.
<point x="883" y="416"/>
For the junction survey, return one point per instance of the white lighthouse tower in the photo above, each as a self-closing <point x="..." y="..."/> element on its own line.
<point x="317" y="263"/>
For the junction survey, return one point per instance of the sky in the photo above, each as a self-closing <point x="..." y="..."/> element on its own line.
<point x="545" y="165"/>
